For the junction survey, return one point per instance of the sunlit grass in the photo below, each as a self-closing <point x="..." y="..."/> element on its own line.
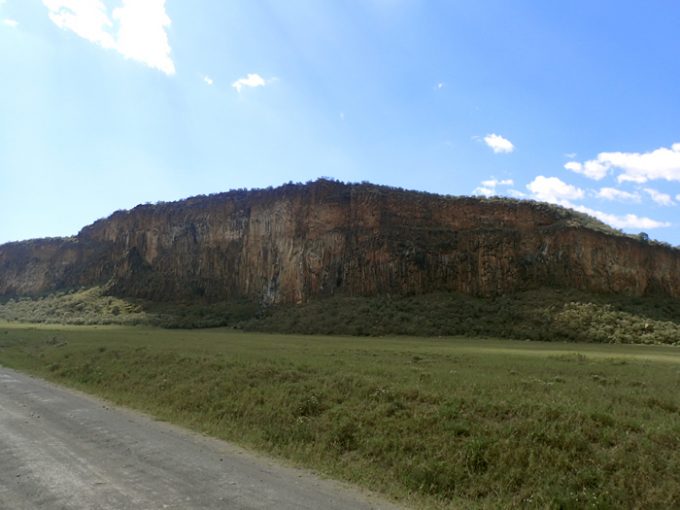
<point x="443" y="423"/>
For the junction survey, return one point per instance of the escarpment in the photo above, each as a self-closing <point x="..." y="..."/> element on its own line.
<point x="297" y="242"/>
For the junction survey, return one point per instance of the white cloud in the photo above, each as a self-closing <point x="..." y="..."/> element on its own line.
<point x="142" y="34"/>
<point x="208" y="80"/>
<point x="618" y="195"/>
<point x="591" y="169"/>
<point x="516" y="193"/>
<point x="499" y="144"/>
<point x="440" y="85"/>
<point x="8" y="22"/>
<point x="659" y="197"/>
<point x="481" y="190"/>
<point x="252" y="80"/>
<point x="659" y="164"/>
<point x="554" y="190"/>
<point x="86" y="18"/>
<point x="136" y="29"/>
<point x="677" y="197"/>
<point x="626" y="221"/>
<point x="488" y="187"/>
<point x="495" y="182"/>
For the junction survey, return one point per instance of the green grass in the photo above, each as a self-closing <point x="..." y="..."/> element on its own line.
<point x="77" y="307"/>
<point x="435" y="423"/>
<point x="540" y="314"/>
<point x="93" y="306"/>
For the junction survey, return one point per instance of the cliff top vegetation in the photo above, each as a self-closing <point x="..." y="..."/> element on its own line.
<point x="563" y="217"/>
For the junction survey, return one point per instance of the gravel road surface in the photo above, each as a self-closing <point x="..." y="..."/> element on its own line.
<point x="63" y="450"/>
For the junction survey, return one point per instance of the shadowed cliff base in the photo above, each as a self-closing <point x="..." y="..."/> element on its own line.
<point x="543" y="314"/>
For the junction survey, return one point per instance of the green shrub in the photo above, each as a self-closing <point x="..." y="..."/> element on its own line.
<point x="542" y="314"/>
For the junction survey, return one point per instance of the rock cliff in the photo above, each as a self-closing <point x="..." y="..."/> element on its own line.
<point x="296" y="242"/>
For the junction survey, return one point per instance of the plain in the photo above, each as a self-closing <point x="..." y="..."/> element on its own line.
<point x="434" y="423"/>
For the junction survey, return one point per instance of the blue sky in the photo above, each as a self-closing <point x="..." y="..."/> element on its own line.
<point x="105" y="104"/>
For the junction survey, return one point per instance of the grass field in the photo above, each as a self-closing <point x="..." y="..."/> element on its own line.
<point x="433" y="423"/>
<point x="541" y="314"/>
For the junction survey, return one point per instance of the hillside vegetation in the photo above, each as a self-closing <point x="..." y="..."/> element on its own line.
<point x="547" y="315"/>
<point x="544" y="314"/>
<point x="437" y="424"/>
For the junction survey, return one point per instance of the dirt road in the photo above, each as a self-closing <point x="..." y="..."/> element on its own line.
<point x="62" y="450"/>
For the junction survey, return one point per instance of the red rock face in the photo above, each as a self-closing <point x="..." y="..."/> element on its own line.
<point x="293" y="243"/>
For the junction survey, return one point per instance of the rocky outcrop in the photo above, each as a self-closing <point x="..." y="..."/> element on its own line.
<point x="297" y="242"/>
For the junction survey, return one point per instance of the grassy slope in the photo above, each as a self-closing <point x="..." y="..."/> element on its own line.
<point x="543" y="314"/>
<point x="437" y="423"/>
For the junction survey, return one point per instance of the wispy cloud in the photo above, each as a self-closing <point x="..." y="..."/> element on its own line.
<point x="659" y="197"/>
<point x="591" y="169"/>
<point x="136" y="29"/>
<point x="208" y="80"/>
<point x="516" y="193"/>
<point x="488" y="188"/>
<point x="496" y="182"/>
<point x="88" y="19"/>
<point x="625" y="221"/>
<point x="252" y="80"/>
<point x="499" y="144"/>
<point x="618" y="195"/>
<point x="12" y="23"/>
<point x="556" y="191"/>
<point x="659" y="164"/>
